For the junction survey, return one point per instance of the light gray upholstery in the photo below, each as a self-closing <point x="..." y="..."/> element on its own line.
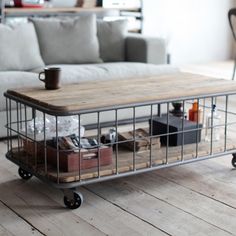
<point x="69" y="41"/>
<point x="108" y="71"/>
<point x="111" y="36"/>
<point x="19" y="48"/>
<point x="146" y="49"/>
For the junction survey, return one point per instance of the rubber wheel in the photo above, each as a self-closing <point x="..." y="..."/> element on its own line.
<point x="24" y="174"/>
<point x="234" y="160"/>
<point x="74" y="203"/>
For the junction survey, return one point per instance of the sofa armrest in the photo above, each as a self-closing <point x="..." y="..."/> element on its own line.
<point x="145" y="49"/>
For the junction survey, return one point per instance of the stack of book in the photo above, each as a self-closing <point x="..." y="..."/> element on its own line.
<point x="121" y="3"/>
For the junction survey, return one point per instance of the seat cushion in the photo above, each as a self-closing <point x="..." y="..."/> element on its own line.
<point x="68" y="41"/>
<point x="19" y="49"/>
<point x="111" y="37"/>
<point x="107" y="71"/>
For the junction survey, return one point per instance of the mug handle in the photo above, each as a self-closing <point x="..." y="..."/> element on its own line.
<point x="42" y="73"/>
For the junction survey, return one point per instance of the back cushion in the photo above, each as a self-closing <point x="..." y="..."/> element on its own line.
<point x="19" y="49"/>
<point x="111" y="36"/>
<point x="70" y="41"/>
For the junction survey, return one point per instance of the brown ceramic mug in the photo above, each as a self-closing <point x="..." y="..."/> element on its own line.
<point x="51" y="77"/>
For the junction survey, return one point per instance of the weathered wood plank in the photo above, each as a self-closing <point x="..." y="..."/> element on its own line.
<point x="44" y="213"/>
<point x="214" y="180"/>
<point x="93" y="204"/>
<point x="104" y="215"/>
<point x="95" y="210"/>
<point x="144" y="198"/>
<point x="112" y="93"/>
<point x="11" y="224"/>
<point x="207" y="209"/>
<point x="125" y="160"/>
<point x="39" y="210"/>
<point x="5" y="232"/>
<point x="167" y="217"/>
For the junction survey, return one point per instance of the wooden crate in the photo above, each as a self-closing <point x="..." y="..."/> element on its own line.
<point x="142" y="141"/>
<point x="69" y="161"/>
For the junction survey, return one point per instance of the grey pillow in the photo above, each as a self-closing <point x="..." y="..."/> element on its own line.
<point x="68" y="41"/>
<point x="111" y="36"/>
<point x="19" y="49"/>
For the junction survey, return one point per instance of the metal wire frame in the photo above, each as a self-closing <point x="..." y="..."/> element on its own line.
<point x="23" y="119"/>
<point x="99" y="143"/>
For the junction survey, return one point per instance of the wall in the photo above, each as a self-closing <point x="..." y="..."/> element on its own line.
<point x="197" y="30"/>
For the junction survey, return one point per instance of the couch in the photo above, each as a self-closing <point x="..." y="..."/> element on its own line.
<point x="84" y="48"/>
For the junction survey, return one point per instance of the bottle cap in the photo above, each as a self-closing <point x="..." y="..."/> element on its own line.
<point x="195" y="106"/>
<point x="213" y="107"/>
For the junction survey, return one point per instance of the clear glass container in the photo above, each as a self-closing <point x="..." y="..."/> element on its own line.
<point x="212" y="125"/>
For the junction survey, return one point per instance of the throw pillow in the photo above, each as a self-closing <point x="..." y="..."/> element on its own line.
<point x="111" y="36"/>
<point x="19" y="49"/>
<point x="68" y="41"/>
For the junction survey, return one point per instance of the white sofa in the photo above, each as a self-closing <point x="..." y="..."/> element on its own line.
<point x="105" y="53"/>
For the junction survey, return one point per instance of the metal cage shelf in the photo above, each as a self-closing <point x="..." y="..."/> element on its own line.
<point x="30" y="141"/>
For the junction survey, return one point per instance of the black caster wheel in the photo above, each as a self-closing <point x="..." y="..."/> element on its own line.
<point x="24" y="174"/>
<point x="75" y="202"/>
<point x="234" y="160"/>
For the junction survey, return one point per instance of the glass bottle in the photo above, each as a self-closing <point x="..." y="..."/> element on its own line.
<point x="212" y="125"/>
<point x="195" y="113"/>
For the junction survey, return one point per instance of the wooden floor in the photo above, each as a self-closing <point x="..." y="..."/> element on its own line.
<point x="222" y="70"/>
<point x="194" y="199"/>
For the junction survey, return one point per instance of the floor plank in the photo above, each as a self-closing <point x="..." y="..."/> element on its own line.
<point x="217" y="69"/>
<point x="210" y="179"/>
<point x="12" y="224"/>
<point x="95" y="210"/>
<point x="196" y="204"/>
<point x="39" y="210"/>
<point x="167" y="217"/>
<point x="93" y="203"/>
<point x="5" y="232"/>
<point x="99" y="212"/>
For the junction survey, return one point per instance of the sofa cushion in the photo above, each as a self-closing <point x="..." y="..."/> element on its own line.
<point x="111" y="36"/>
<point x="68" y="41"/>
<point x="19" y="49"/>
<point x="108" y="71"/>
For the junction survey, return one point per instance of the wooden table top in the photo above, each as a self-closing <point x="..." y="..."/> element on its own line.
<point x="97" y="95"/>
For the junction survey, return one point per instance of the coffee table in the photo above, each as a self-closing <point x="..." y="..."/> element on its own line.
<point x="39" y="110"/>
